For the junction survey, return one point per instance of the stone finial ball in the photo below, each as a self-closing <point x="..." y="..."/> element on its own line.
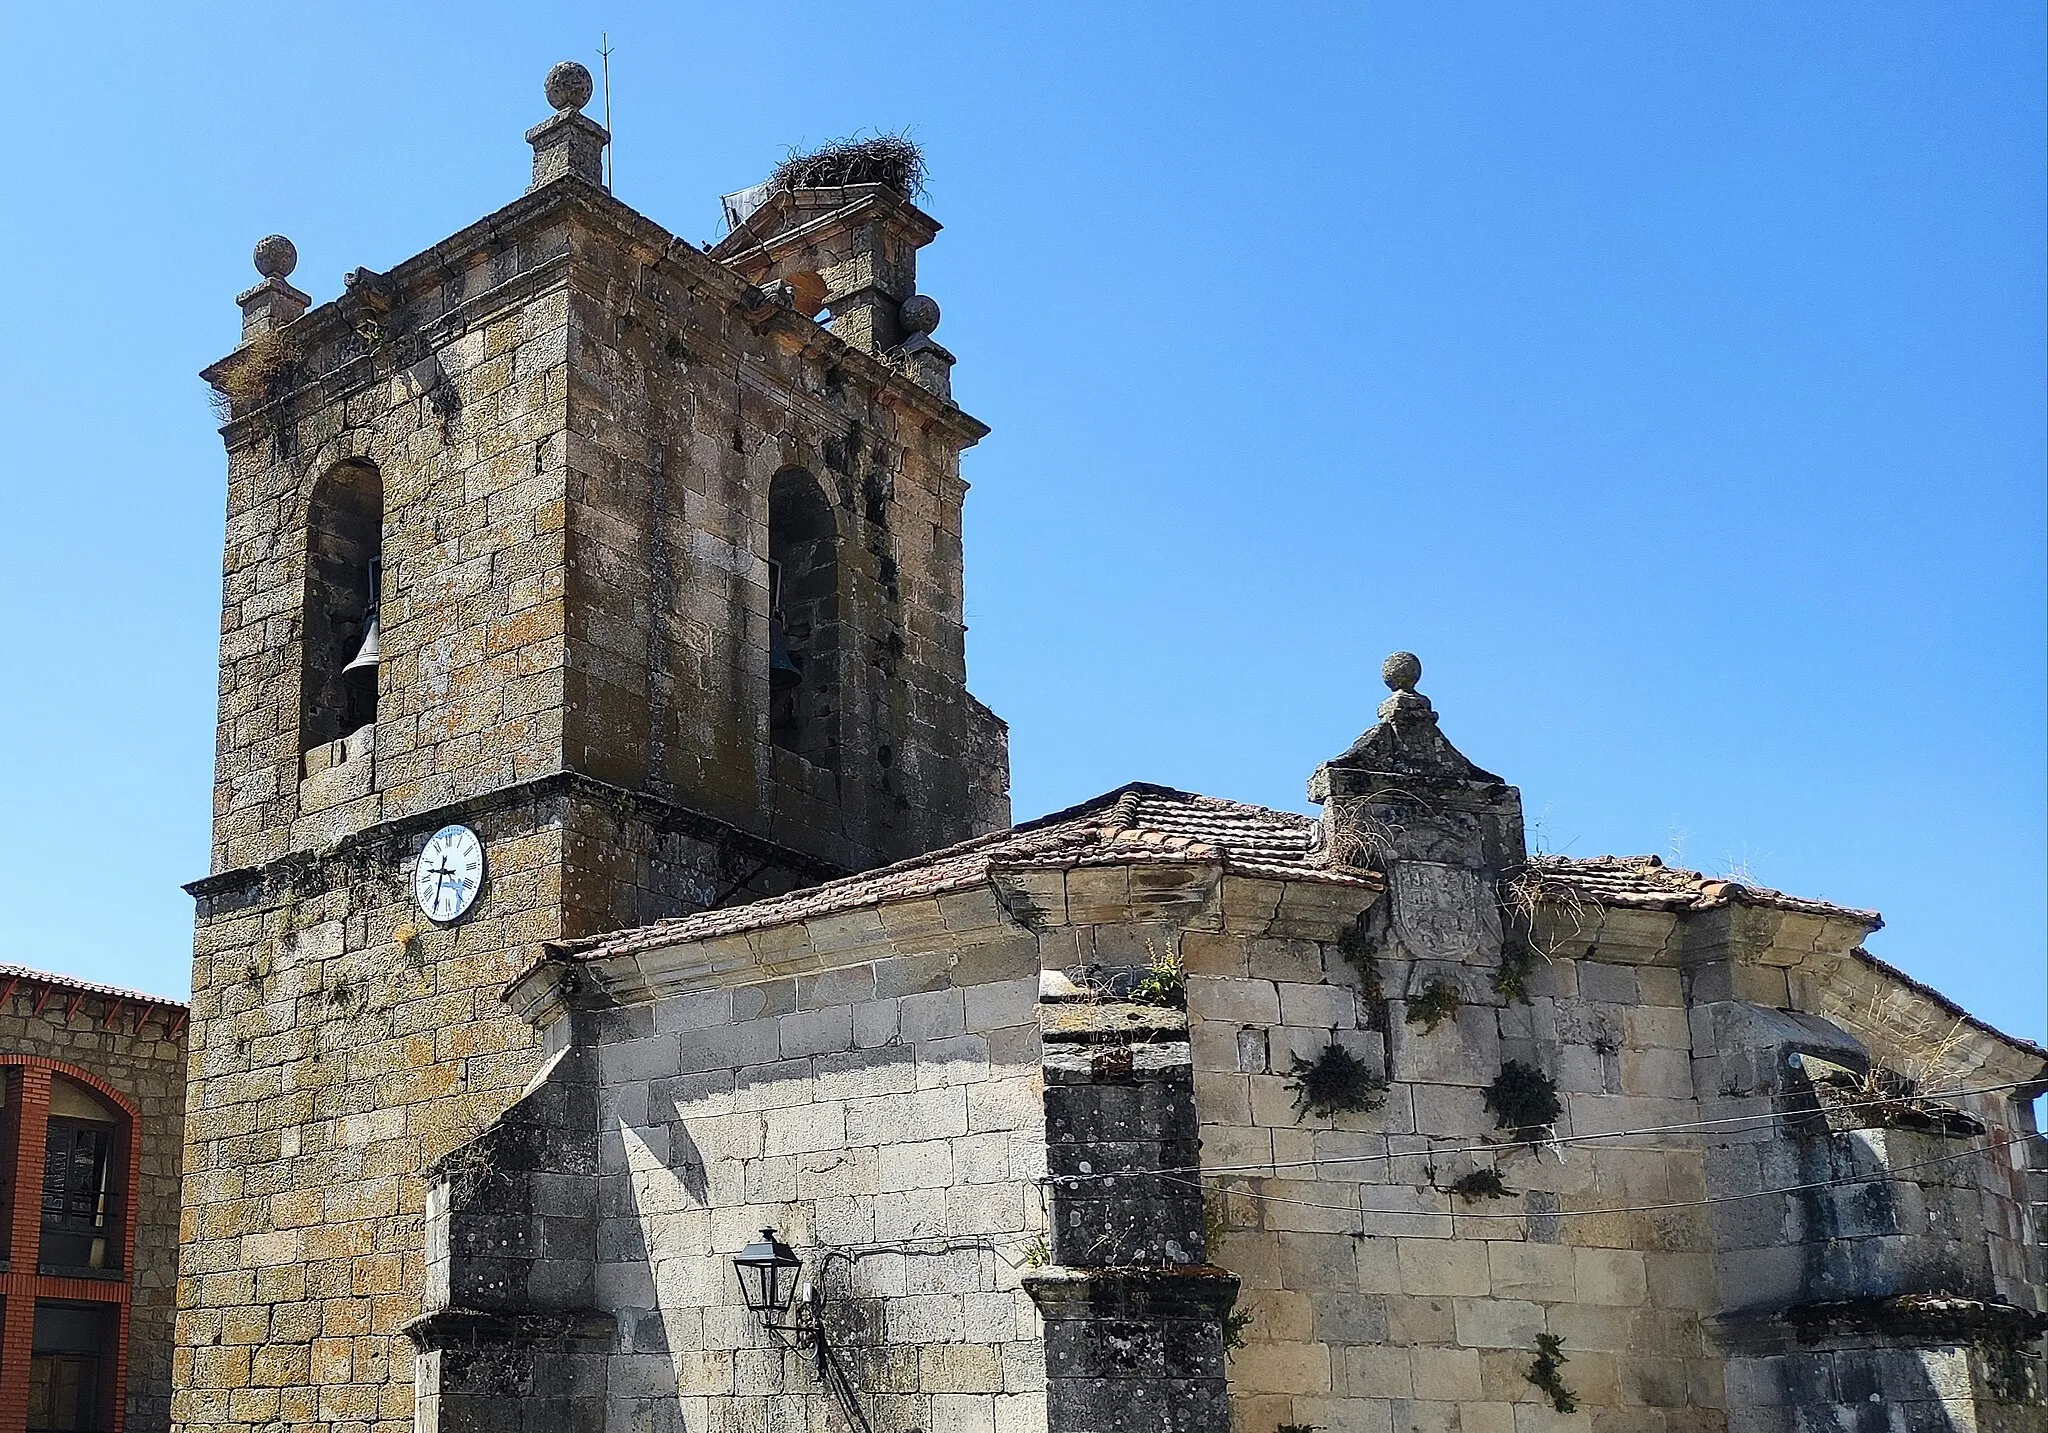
<point x="568" y="86"/>
<point x="1401" y="671"/>
<point x="920" y="313"/>
<point x="276" y="257"/>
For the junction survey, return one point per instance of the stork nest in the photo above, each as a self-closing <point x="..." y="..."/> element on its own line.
<point x="890" y="160"/>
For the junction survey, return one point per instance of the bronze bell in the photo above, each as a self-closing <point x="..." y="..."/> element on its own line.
<point x="785" y="669"/>
<point x="367" y="655"/>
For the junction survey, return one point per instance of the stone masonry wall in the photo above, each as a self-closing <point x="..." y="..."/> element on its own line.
<point x="869" y="1083"/>
<point x="463" y="416"/>
<point x="340" y="1044"/>
<point x="148" y="1067"/>
<point x="1906" y="1032"/>
<point x="343" y="1043"/>
<point x="340" y="1041"/>
<point x="1378" y="1298"/>
<point x="1901" y="1270"/>
<point x="884" y="1115"/>
<point x="789" y="1075"/>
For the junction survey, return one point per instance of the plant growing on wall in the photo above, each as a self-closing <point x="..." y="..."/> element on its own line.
<point x="264" y="369"/>
<point x="1510" y="979"/>
<point x="1234" y="1324"/>
<point x="2008" y="1365"/>
<point x="1334" y="1082"/>
<point x="1215" y="1220"/>
<point x="1523" y="897"/>
<point x="1480" y="1184"/>
<point x="1547" y="1372"/>
<point x="1437" y="1002"/>
<point x="1163" y="983"/>
<point x="1357" y="948"/>
<point x="1523" y="1099"/>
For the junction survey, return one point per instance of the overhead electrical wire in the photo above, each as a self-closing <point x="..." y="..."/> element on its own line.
<point x="1618" y="1209"/>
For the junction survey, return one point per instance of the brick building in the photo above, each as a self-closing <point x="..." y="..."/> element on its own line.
<point x="610" y="865"/>
<point x="91" y="1125"/>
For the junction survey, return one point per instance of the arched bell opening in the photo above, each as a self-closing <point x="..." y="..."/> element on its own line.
<point x="803" y="621"/>
<point x="341" y="626"/>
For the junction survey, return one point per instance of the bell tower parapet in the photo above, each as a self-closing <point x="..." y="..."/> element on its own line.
<point x="847" y="249"/>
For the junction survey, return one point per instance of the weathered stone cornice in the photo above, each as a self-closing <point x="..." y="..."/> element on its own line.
<point x="404" y="282"/>
<point x="250" y="881"/>
<point x="744" y="247"/>
<point x="377" y="365"/>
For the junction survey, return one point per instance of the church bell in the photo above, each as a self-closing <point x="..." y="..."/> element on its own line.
<point x="367" y="655"/>
<point x="784" y="671"/>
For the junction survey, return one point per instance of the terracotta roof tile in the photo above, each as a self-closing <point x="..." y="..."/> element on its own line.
<point x="88" y="987"/>
<point x="1646" y="883"/>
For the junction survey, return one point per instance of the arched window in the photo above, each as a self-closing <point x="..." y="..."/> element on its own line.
<point x="344" y="563"/>
<point x="81" y="1162"/>
<point x="69" y="1162"/>
<point x="803" y="600"/>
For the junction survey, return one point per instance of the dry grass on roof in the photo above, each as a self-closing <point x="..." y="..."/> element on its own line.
<point x="1646" y="882"/>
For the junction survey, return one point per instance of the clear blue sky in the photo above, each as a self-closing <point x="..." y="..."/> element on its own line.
<point x="1669" y="376"/>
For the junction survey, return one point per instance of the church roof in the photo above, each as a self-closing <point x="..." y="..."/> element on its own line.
<point x="1142" y="823"/>
<point x="1646" y="883"/>
<point x="1137" y="823"/>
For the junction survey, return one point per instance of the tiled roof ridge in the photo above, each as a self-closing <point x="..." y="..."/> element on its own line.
<point x="1687" y="889"/>
<point x="1678" y="888"/>
<point x="1108" y="800"/>
<point x="10" y="971"/>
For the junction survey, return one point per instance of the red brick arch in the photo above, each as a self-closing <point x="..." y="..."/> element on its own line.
<point x="77" y="1076"/>
<point x="23" y="1136"/>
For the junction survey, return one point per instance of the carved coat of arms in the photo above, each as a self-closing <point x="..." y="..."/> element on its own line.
<point x="1444" y="912"/>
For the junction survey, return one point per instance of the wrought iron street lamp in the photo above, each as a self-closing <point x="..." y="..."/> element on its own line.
<point x="768" y="1270"/>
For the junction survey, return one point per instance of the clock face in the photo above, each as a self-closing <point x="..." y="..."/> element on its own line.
<point x="449" y="874"/>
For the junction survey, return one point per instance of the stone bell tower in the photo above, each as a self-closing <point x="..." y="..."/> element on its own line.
<point x="639" y="563"/>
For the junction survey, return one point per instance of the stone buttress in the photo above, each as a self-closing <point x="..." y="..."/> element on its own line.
<point x="1133" y="1310"/>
